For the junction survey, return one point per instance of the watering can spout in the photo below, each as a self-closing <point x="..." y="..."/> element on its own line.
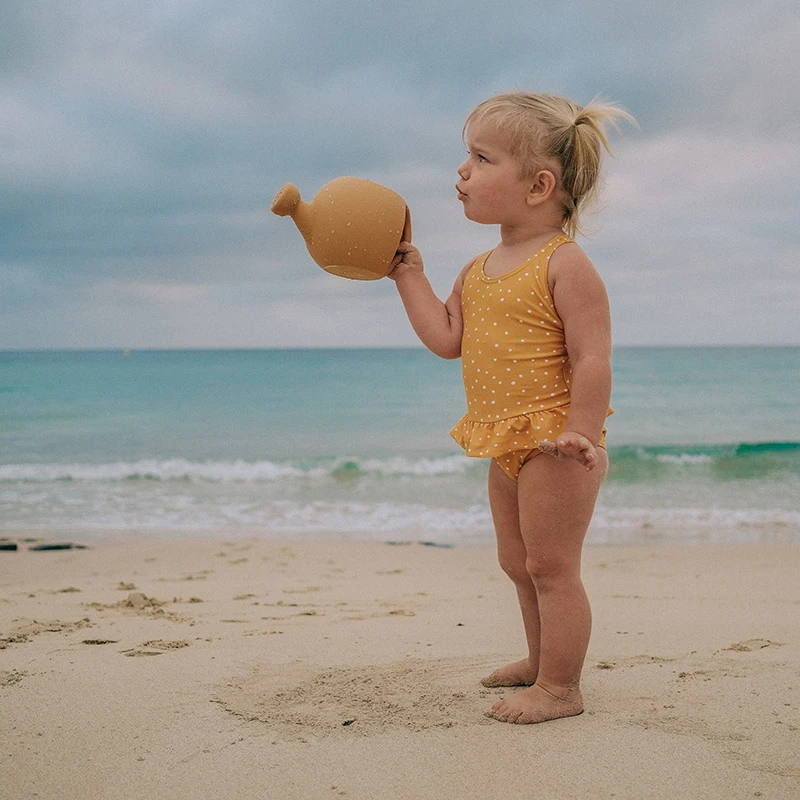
<point x="287" y="203"/>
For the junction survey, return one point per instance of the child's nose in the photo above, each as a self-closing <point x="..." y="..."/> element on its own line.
<point x="463" y="171"/>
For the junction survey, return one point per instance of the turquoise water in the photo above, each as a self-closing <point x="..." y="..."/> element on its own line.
<point x="705" y="443"/>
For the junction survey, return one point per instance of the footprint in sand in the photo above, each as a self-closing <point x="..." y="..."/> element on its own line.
<point x="155" y="647"/>
<point x="748" y="645"/>
<point x="24" y="629"/>
<point x="11" y="677"/>
<point x="413" y="694"/>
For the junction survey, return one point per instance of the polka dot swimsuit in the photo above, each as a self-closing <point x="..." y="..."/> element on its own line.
<point x="514" y="362"/>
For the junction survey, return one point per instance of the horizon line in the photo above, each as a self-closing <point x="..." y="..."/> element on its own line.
<point x="246" y="348"/>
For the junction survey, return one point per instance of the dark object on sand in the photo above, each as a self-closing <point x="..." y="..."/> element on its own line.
<point x="58" y="546"/>
<point x="8" y="545"/>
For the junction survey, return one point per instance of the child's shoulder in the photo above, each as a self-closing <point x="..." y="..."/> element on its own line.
<point x="467" y="267"/>
<point x="573" y="277"/>
<point x="569" y="258"/>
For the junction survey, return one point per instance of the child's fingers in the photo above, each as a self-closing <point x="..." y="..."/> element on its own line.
<point x="406" y="254"/>
<point x="586" y="454"/>
<point x="573" y="446"/>
<point x="404" y="249"/>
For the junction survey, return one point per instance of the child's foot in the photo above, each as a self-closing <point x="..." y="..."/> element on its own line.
<point x="536" y="704"/>
<point x="520" y="673"/>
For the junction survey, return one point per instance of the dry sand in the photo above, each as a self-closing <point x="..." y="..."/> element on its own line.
<point x="257" y="669"/>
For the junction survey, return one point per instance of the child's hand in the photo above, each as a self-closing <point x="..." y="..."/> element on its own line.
<point x="406" y="259"/>
<point x="570" y="444"/>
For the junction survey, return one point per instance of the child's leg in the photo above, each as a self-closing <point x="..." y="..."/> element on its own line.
<point x="556" y="499"/>
<point x="512" y="555"/>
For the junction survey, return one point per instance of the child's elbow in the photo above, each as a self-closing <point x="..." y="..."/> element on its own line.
<point x="598" y="359"/>
<point x="594" y="363"/>
<point x="448" y="351"/>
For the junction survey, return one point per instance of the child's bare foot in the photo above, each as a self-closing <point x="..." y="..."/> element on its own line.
<point x="536" y="704"/>
<point x="520" y="673"/>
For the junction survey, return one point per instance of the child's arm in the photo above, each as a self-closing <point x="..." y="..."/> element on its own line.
<point x="438" y="325"/>
<point x="582" y="304"/>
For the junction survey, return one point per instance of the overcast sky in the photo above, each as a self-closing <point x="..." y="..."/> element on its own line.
<point x="141" y="144"/>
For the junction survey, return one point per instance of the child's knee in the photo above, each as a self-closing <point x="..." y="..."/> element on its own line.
<point x="544" y="571"/>
<point x="514" y="567"/>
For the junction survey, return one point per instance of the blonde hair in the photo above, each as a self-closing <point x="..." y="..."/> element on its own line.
<point x="545" y="128"/>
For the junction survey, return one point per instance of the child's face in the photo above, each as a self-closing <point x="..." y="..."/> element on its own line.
<point x="490" y="186"/>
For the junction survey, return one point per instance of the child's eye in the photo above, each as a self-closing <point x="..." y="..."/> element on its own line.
<point x="481" y="158"/>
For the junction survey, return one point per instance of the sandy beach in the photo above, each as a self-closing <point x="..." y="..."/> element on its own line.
<point x="260" y="669"/>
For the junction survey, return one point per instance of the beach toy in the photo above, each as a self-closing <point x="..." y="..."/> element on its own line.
<point x="352" y="227"/>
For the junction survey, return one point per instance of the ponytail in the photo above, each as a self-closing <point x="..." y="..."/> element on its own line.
<point x="580" y="158"/>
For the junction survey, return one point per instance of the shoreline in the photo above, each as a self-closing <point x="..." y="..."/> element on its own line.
<point x="649" y="534"/>
<point x="243" y="668"/>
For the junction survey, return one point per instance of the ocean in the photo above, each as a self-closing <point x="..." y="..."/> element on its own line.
<point x="347" y="443"/>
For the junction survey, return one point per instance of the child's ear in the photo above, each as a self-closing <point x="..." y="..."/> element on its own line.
<point x="542" y="187"/>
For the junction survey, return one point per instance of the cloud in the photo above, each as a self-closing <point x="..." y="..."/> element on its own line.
<point x="142" y="145"/>
<point x="714" y="255"/>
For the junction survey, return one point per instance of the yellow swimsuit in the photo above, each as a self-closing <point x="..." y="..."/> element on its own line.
<point x="514" y="363"/>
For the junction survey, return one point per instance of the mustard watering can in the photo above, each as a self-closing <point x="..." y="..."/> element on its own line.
<point x="352" y="227"/>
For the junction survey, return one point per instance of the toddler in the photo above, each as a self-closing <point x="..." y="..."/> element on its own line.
<point x="531" y="323"/>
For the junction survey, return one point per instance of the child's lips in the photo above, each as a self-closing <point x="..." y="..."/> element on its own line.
<point x="461" y="195"/>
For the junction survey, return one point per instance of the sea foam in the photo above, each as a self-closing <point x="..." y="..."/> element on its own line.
<point x="179" y="469"/>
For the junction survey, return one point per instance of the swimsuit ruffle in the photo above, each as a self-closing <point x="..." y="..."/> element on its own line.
<point x="521" y="432"/>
